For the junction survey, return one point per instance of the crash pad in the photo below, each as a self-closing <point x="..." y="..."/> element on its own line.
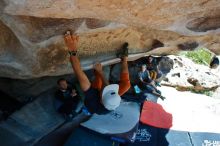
<point x="151" y="136"/>
<point x="121" y="121"/>
<point x="84" y="137"/>
<point x="153" y="114"/>
<point x="205" y="138"/>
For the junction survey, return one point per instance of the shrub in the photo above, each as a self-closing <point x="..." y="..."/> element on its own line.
<point x="199" y="56"/>
<point x="205" y="92"/>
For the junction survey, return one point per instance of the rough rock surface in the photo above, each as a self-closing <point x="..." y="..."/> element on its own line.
<point x="31" y="43"/>
<point x="187" y="75"/>
<point x="216" y="93"/>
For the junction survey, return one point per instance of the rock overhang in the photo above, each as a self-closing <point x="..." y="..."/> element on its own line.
<point x="34" y="29"/>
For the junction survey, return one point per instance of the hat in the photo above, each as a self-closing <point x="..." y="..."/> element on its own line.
<point x="110" y="98"/>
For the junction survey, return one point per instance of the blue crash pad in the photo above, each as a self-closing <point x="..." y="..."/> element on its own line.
<point x="84" y="137"/>
<point x="205" y="139"/>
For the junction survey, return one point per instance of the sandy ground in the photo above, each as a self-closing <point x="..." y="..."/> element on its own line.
<point x="192" y="112"/>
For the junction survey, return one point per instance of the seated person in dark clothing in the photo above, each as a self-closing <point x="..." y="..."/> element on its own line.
<point x="68" y="98"/>
<point x="214" y="62"/>
<point x="146" y="83"/>
<point x="152" y="67"/>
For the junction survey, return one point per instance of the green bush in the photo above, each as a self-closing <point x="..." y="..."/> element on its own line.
<point x="199" y="56"/>
<point x="205" y="92"/>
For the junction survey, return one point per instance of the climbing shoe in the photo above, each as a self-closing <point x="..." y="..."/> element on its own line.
<point x="157" y="84"/>
<point x="123" y="52"/>
<point x="162" y="97"/>
<point x="158" y="91"/>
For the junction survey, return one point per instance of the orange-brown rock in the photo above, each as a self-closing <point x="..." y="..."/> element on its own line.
<point x="31" y="43"/>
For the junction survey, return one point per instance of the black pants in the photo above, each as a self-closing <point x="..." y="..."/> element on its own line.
<point x="69" y="105"/>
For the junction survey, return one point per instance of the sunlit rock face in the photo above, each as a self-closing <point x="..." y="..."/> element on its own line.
<point x="187" y="75"/>
<point x="31" y="40"/>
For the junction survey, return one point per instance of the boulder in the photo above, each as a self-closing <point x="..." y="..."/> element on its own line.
<point x="216" y="93"/>
<point x="32" y="46"/>
<point x="187" y="75"/>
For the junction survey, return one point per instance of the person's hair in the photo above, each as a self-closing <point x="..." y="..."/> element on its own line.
<point x="59" y="80"/>
<point x="215" y="61"/>
<point x="143" y="65"/>
<point x="148" y="58"/>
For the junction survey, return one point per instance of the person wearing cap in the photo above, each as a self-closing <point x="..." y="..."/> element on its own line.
<point x="100" y="96"/>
